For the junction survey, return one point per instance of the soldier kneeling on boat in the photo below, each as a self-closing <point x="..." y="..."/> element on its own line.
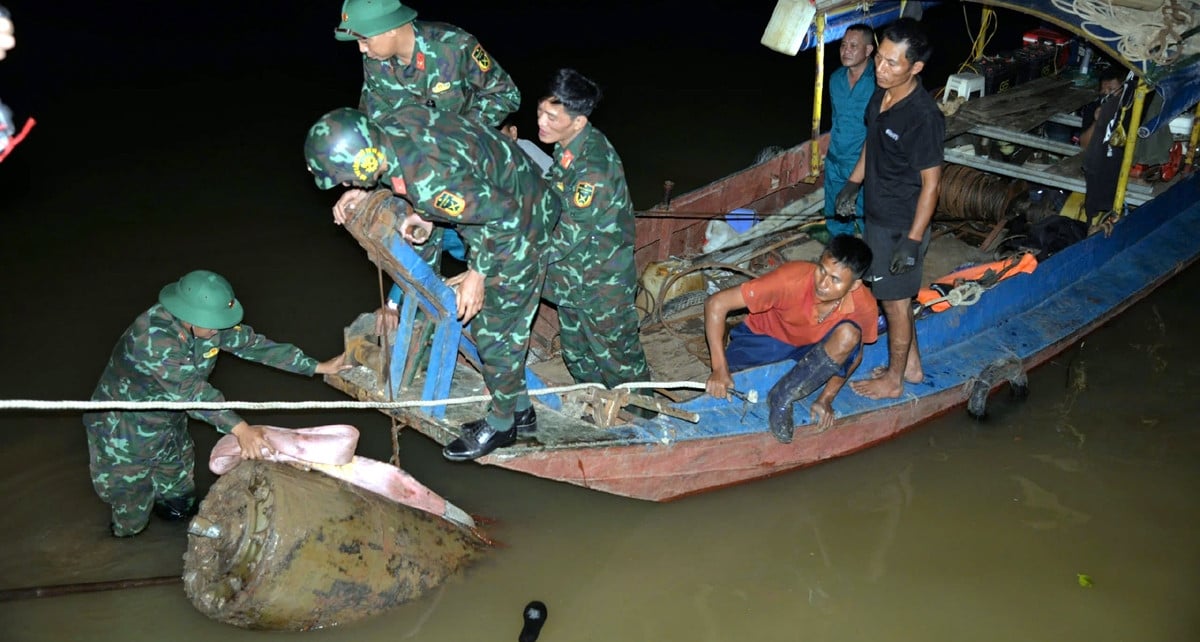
<point x="818" y="314"/>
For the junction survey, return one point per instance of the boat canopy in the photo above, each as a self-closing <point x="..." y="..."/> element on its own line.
<point x="1159" y="42"/>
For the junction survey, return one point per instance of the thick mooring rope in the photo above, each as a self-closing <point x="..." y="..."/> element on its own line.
<point x="36" y="404"/>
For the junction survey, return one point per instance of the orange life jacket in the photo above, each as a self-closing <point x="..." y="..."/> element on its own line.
<point x="986" y="274"/>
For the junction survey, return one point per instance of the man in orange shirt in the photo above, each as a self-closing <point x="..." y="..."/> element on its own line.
<point x="817" y="314"/>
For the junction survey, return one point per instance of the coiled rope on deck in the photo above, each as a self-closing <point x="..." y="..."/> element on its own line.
<point x="37" y="404"/>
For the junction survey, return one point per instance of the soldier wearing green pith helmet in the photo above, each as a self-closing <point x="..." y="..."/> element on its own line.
<point x="142" y="461"/>
<point x="454" y="171"/>
<point x="408" y="61"/>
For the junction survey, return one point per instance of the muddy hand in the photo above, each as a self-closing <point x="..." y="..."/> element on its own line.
<point x="346" y="204"/>
<point x="334" y="365"/>
<point x="252" y="441"/>
<point x="415" y="229"/>
<point x="468" y="288"/>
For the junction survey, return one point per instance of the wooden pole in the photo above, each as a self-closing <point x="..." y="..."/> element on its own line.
<point x="34" y="592"/>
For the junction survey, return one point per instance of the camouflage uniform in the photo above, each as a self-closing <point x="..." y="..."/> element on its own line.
<point x="592" y="277"/>
<point x="449" y="71"/>
<point x="453" y="170"/>
<point x="138" y="458"/>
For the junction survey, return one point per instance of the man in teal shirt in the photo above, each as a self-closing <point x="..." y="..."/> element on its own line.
<point x="850" y="89"/>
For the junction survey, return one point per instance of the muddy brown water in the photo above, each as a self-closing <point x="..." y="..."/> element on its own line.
<point x="956" y="531"/>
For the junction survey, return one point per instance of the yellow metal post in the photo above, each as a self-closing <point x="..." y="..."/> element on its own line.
<point x="1139" y="99"/>
<point x="818" y="94"/>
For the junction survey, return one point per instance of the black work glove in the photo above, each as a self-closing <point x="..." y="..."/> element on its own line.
<point x="905" y="256"/>
<point x="844" y="206"/>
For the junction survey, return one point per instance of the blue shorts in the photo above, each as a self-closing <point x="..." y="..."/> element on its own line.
<point x="747" y="349"/>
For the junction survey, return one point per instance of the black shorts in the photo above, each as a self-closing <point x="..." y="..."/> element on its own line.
<point x="885" y="285"/>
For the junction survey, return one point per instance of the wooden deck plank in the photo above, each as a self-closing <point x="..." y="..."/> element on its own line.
<point x="1020" y="109"/>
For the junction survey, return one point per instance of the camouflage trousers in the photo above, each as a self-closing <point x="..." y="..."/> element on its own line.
<point x="501" y="331"/>
<point x="601" y="343"/>
<point x="137" y="459"/>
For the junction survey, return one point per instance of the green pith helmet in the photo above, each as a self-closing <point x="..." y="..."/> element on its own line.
<point x="204" y="299"/>
<point x="366" y="18"/>
<point x="343" y="147"/>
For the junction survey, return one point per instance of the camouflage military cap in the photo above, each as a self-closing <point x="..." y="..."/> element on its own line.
<point x="204" y="299"/>
<point x="366" y="18"/>
<point x="344" y="147"/>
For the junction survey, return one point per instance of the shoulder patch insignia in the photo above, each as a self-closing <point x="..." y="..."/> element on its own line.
<point x="212" y="352"/>
<point x="450" y="203"/>
<point x="440" y="87"/>
<point x="583" y="194"/>
<point x="398" y="185"/>
<point x="481" y="58"/>
<point x="367" y="162"/>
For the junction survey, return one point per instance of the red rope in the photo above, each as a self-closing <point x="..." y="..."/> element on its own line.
<point x="12" y="142"/>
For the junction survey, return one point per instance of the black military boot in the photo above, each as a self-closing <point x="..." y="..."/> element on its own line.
<point x="174" y="509"/>
<point x="810" y="372"/>
<point x="478" y="439"/>
<point x="526" y="422"/>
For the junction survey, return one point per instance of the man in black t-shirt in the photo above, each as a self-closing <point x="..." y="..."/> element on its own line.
<point x="901" y="168"/>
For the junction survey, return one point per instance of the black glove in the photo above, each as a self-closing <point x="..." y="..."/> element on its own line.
<point x="905" y="256"/>
<point x="844" y="206"/>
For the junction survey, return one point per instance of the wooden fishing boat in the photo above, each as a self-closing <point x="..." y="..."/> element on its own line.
<point x="699" y="443"/>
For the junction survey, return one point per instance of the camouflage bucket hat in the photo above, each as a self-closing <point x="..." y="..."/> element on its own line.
<point x="204" y="299"/>
<point x="343" y="147"/>
<point x="366" y="18"/>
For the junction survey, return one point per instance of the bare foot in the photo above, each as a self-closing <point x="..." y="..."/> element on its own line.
<point x="878" y="388"/>
<point x="910" y="376"/>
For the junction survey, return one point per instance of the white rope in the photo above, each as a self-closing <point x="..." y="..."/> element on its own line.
<point x="1140" y="35"/>
<point x="968" y="293"/>
<point x="35" y="404"/>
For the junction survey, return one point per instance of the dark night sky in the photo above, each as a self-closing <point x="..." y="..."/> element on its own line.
<point x="137" y="79"/>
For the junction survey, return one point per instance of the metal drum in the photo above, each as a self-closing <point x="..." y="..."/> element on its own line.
<point x="275" y="547"/>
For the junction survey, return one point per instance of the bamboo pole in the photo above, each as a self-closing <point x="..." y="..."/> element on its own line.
<point x="814" y="156"/>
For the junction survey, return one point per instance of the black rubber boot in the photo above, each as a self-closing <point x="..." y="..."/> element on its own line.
<point x="526" y="422"/>
<point x="174" y="509"/>
<point x="810" y="372"/>
<point x="535" y="616"/>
